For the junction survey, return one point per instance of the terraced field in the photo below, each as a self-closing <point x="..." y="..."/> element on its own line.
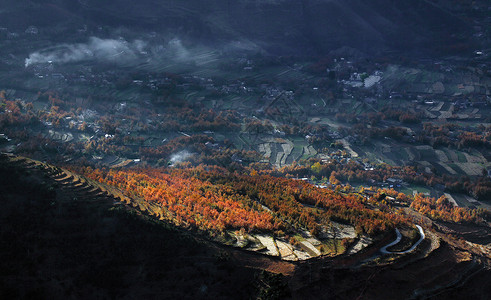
<point x="438" y="269"/>
<point x="441" y="265"/>
<point x="83" y="190"/>
<point x="281" y="151"/>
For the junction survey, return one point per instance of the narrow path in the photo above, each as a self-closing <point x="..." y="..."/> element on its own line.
<point x="398" y="239"/>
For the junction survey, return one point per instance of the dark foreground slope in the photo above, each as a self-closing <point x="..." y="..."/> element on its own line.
<point x="56" y="246"/>
<point x="276" y="26"/>
<point x="63" y="240"/>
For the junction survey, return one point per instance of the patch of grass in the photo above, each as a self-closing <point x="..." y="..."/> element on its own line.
<point x="456" y="168"/>
<point x="333" y="247"/>
<point x="298" y="238"/>
<point x="409" y="190"/>
<point x="461" y="157"/>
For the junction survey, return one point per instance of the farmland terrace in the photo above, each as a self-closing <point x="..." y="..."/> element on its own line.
<point x="443" y="265"/>
<point x="245" y="149"/>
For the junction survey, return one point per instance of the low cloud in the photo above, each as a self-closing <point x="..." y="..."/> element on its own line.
<point x="180" y="157"/>
<point x="140" y="53"/>
<point x="177" y="50"/>
<point x="109" y="50"/>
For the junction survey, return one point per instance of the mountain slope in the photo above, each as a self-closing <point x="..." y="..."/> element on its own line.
<point x="59" y="242"/>
<point x="277" y="26"/>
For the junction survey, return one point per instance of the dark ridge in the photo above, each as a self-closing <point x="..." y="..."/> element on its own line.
<point x="281" y="27"/>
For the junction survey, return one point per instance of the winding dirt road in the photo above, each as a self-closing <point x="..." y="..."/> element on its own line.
<point x="398" y="239"/>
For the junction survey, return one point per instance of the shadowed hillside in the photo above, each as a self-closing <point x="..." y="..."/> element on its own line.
<point x="307" y="27"/>
<point x="68" y="239"/>
<point x="62" y="242"/>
